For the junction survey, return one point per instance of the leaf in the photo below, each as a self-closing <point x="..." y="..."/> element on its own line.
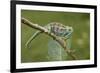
<point x="55" y="51"/>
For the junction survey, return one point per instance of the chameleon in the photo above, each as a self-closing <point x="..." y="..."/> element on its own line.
<point x="56" y="28"/>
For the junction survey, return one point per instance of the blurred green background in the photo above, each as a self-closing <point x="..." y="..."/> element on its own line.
<point x="39" y="46"/>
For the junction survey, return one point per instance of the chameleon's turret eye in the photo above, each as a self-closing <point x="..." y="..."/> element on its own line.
<point x="69" y="29"/>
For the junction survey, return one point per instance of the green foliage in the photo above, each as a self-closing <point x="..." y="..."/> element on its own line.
<point x="38" y="52"/>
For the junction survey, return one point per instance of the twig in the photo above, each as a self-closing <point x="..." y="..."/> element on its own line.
<point x="58" y="39"/>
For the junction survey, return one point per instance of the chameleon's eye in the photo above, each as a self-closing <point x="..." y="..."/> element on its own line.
<point x="69" y="30"/>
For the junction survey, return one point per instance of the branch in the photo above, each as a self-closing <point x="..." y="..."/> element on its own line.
<point x="58" y="39"/>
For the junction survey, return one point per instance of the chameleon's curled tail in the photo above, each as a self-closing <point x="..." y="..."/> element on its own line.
<point x="31" y="38"/>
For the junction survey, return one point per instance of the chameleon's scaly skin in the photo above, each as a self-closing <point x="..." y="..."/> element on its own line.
<point x="56" y="28"/>
<point x="60" y="30"/>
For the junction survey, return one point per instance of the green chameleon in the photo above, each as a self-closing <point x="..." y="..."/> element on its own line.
<point x="59" y="30"/>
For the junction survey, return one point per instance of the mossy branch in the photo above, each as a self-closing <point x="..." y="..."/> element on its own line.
<point x="58" y="39"/>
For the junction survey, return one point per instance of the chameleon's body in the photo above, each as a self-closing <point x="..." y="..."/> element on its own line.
<point x="59" y="29"/>
<point x="56" y="28"/>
